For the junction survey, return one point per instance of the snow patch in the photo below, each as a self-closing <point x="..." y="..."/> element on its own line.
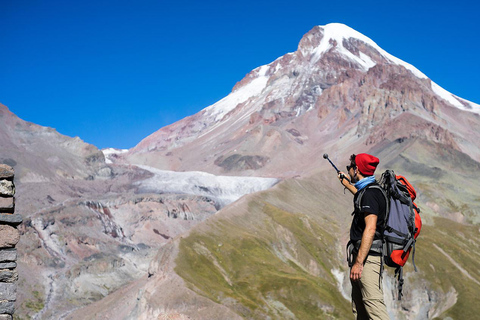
<point x="340" y="277"/>
<point x="223" y="189"/>
<point x="111" y="153"/>
<point x="368" y="62"/>
<point x="454" y="100"/>
<point x="242" y="94"/>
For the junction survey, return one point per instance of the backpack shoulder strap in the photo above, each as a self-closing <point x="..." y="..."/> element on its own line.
<point x="373" y="186"/>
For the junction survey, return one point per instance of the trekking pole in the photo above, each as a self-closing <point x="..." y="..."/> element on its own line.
<point x="325" y="156"/>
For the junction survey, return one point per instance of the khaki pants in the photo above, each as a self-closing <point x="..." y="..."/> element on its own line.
<point x="367" y="293"/>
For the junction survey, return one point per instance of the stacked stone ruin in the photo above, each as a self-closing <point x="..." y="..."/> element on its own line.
<point x="9" y="237"/>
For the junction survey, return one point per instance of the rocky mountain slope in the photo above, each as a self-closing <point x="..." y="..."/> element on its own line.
<point x="279" y="254"/>
<point x="91" y="227"/>
<point x="132" y="240"/>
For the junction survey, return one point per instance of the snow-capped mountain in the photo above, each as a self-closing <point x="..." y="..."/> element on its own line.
<point x="339" y="83"/>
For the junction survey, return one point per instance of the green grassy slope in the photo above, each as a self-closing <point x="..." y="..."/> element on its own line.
<point x="267" y="261"/>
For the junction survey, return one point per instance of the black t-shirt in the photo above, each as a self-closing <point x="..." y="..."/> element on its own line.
<point x="373" y="202"/>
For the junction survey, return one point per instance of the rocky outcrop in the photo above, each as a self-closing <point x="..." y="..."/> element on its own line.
<point x="238" y="162"/>
<point x="9" y="237"/>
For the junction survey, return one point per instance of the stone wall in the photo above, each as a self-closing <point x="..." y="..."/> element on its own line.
<point x="9" y="237"/>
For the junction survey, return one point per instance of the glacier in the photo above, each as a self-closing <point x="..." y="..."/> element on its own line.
<point x="222" y="189"/>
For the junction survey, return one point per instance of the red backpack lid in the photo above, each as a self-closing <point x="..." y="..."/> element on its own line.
<point x="411" y="190"/>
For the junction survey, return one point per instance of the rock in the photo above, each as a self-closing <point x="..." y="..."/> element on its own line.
<point x="11" y="219"/>
<point x="8" y="291"/>
<point x="8" y="276"/>
<point x="8" y="255"/>
<point x="7" y="204"/>
<point x="7" y="188"/>
<point x="6" y="172"/>
<point x="5" y="317"/>
<point x="6" y="309"/>
<point x="9" y="236"/>
<point x="8" y="265"/>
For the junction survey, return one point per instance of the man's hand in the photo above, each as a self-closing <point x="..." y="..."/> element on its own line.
<point x="346" y="182"/>
<point x="356" y="271"/>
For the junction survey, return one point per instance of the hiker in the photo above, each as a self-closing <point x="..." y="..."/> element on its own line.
<point x="365" y="238"/>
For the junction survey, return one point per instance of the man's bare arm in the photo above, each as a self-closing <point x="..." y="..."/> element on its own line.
<point x="367" y="240"/>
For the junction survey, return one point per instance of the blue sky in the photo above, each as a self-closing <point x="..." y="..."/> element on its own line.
<point x="113" y="72"/>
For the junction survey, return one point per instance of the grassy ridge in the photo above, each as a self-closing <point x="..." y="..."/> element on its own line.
<point x="279" y="269"/>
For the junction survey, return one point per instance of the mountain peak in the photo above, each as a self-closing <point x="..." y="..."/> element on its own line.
<point x="363" y="53"/>
<point x="351" y="45"/>
<point x="339" y="32"/>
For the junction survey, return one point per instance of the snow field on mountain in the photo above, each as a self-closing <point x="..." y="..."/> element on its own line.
<point x="332" y="31"/>
<point x="242" y="94"/>
<point x="454" y="100"/>
<point x="223" y="189"/>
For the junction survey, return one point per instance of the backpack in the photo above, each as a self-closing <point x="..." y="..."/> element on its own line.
<point x="402" y="223"/>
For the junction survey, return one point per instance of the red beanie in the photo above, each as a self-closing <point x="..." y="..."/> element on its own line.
<point x="366" y="164"/>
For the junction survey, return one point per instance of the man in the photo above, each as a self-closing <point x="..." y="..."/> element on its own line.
<point x="366" y="238"/>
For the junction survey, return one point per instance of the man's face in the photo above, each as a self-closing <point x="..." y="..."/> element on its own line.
<point x="352" y="173"/>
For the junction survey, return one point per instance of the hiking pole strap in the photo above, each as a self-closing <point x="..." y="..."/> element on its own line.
<point x="399" y="271"/>
<point x="411" y="242"/>
<point x="382" y="264"/>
